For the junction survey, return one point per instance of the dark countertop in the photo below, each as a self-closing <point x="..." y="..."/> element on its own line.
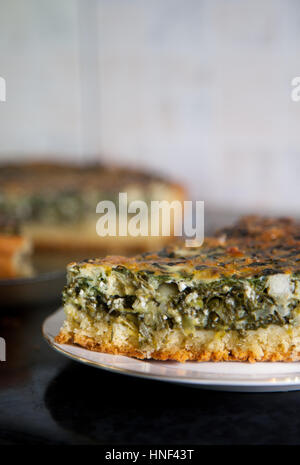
<point x="46" y="398"/>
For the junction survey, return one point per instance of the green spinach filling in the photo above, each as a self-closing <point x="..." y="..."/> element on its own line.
<point x="148" y="302"/>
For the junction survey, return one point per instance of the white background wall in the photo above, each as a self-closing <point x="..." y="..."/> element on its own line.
<point x="198" y="89"/>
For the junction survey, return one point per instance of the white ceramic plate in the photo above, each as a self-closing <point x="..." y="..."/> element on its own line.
<point x="226" y="376"/>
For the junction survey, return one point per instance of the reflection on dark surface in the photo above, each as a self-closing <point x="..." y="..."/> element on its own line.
<point x="27" y="370"/>
<point x="110" y="408"/>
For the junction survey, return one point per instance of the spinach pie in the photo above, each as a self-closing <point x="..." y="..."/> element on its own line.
<point x="55" y="203"/>
<point x="237" y="297"/>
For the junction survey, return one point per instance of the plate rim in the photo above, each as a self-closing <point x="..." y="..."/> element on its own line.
<point x="253" y="385"/>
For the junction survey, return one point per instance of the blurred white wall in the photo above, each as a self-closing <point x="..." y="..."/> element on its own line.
<point x="199" y="89"/>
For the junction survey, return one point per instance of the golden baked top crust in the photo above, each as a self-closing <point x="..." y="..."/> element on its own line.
<point x="253" y="247"/>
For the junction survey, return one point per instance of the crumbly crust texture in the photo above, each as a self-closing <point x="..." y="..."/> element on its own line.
<point x="287" y="349"/>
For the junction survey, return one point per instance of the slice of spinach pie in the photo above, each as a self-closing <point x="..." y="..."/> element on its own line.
<point x="237" y="297"/>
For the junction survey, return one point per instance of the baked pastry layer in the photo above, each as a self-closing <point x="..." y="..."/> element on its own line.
<point x="83" y="236"/>
<point x="273" y="343"/>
